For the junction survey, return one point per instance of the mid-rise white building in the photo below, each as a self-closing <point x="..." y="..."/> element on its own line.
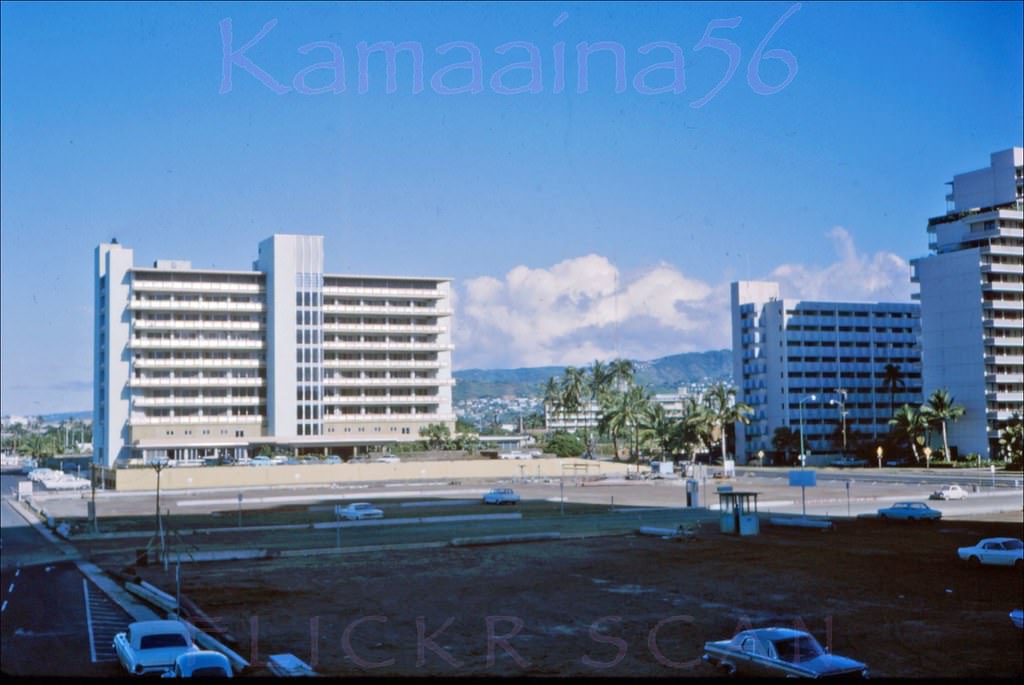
<point x="203" y="363"/>
<point x="972" y="301"/>
<point x="825" y="361"/>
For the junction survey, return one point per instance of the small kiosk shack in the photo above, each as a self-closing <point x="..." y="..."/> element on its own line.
<point x="738" y="512"/>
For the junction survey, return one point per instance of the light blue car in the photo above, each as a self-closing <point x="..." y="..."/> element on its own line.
<point x="910" y="511"/>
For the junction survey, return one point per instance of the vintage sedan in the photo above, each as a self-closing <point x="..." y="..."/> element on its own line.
<point x="359" y="511"/>
<point x="501" y="496"/>
<point x="910" y="511"/>
<point x="200" y="664"/>
<point x="1017" y="618"/>
<point x="949" y="492"/>
<point x="778" y="652"/>
<point x="994" y="552"/>
<point x="152" y="646"/>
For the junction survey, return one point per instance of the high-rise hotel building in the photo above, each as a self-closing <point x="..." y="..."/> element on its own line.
<point x="972" y="301"/>
<point x="824" y="362"/>
<point x="203" y="363"/>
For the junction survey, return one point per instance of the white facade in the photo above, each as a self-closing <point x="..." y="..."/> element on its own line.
<point x="199" y="363"/>
<point x="972" y="301"/>
<point x="590" y="415"/>
<point x="786" y="351"/>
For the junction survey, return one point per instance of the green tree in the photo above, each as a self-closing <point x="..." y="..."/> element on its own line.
<point x="436" y="435"/>
<point x="785" y="440"/>
<point x="721" y="404"/>
<point x="1012" y="439"/>
<point x="664" y="430"/>
<point x="552" y="397"/>
<point x="695" y="428"/>
<point x="911" y="425"/>
<point x="623" y="374"/>
<point x="892" y="380"/>
<point x="940" y="410"/>
<point x="563" y="444"/>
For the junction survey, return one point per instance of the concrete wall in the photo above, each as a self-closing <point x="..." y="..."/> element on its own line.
<point x="313" y="474"/>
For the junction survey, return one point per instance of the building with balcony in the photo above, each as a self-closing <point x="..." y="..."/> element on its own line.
<point x="195" y="364"/>
<point x="972" y="301"/>
<point x="825" y="361"/>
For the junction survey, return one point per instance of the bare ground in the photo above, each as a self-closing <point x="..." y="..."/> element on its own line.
<point x="894" y="596"/>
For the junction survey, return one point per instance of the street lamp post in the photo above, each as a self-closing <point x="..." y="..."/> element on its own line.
<point x="842" y="413"/>
<point x="803" y="451"/>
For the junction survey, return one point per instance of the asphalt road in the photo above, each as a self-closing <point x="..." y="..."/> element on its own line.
<point x="53" y="622"/>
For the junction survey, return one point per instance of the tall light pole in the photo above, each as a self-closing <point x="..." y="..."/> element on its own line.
<point x="803" y="454"/>
<point x="842" y="413"/>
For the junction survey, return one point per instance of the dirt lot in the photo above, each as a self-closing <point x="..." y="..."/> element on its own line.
<point x="894" y="596"/>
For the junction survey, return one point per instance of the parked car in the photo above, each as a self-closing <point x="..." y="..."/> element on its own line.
<point x="844" y="462"/>
<point x="910" y="511"/>
<point x="200" y="664"/>
<point x="1017" y="617"/>
<point x="994" y="552"/>
<point x="949" y="492"/>
<point x="332" y="460"/>
<point x="501" y="496"/>
<point x="781" y="653"/>
<point x="387" y="459"/>
<point x="152" y="646"/>
<point x="359" y="511"/>
<point x="261" y="461"/>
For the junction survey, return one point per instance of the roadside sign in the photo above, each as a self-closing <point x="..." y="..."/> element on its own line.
<point x="804" y="479"/>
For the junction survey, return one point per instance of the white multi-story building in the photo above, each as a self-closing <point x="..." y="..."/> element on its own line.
<point x="589" y="416"/>
<point x="202" y="363"/>
<point x="824" y="360"/>
<point x="972" y="301"/>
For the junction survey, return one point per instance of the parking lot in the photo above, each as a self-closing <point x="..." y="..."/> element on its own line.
<point x="396" y="597"/>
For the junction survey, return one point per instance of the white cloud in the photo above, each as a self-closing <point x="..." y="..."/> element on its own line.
<point x="881" y="277"/>
<point x="583" y="308"/>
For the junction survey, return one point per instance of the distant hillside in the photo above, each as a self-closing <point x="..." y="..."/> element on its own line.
<point x="660" y="375"/>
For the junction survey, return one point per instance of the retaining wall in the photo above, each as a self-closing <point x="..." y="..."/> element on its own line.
<point x="136" y="479"/>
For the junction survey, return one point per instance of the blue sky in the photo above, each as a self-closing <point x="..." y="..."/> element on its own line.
<point x="576" y="225"/>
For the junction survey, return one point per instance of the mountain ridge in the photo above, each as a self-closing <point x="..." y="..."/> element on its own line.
<point x="664" y="374"/>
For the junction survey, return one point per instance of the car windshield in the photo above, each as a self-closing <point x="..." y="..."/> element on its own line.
<point x="797" y="649"/>
<point x="162" y="640"/>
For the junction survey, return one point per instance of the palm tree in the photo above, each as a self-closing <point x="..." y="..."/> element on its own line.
<point x="941" y="409"/>
<point x="622" y="372"/>
<point x="552" y="397"/>
<point x="695" y="428"/>
<point x="599" y="384"/>
<point x="662" y="428"/>
<point x="437" y="435"/>
<point x="892" y="380"/>
<point x="624" y="414"/>
<point x="911" y="424"/>
<point x="785" y="439"/>
<point x="573" y="387"/>
<point x="1012" y="438"/>
<point x="720" y="401"/>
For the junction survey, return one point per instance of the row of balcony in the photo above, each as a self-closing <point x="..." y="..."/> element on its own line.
<point x="243" y="401"/>
<point x="416" y="382"/>
<point x="399" y="346"/>
<point x="201" y="325"/>
<point x="197" y="419"/>
<point x="380" y="364"/>
<point x="217" y="381"/>
<point x="217" y="343"/>
<point x="425" y="293"/>
<point x="150" y="363"/>
<point x="384" y="328"/>
<point x="848" y="336"/>
<point x="198" y="286"/>
<point x="139" y="304"/>
<point x="385" y="310"/>
<point x="1002" y="268"/>
<point x="259" y="419"/>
